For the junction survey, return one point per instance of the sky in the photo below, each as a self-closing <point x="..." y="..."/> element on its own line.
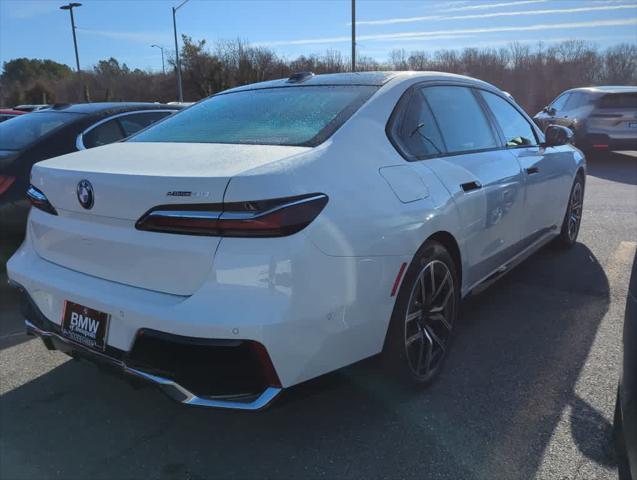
<point x="126" y="29"/>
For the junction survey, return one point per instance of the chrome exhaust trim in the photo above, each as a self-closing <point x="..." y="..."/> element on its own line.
<point x="171" y="388"/>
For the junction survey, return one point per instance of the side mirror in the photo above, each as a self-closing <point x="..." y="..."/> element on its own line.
<point x="556" y="135"/>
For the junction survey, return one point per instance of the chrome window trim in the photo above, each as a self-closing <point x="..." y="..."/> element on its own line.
<point x="401" y="104"/>
<point x="79" y="141"/>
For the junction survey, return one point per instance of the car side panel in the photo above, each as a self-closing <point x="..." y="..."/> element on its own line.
<point x="490" y="215"/>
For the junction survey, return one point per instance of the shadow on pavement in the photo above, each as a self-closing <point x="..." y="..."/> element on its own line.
<point x="612" y="166"/>
<point x="11" y="323"/>
<point x="592" y="433"/>
<point x="517" y="356"/>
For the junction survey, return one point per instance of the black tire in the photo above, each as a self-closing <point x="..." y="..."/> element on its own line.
<point x="432" y="330"/>
<point x="620" y="445"/>
<point x="573" y="215"/>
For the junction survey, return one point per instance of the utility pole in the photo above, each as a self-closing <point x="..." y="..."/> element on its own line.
<point x="353" y="35"/>
<point x="70" y="8"/>
<point x="163" y="68"/>
<point x="180" y="91"/>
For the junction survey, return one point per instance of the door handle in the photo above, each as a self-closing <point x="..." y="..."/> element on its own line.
<point x="532" y="170"/>
<point x="470" y="186"/>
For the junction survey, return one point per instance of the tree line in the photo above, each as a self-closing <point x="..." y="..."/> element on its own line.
<point x="532" y="74"/>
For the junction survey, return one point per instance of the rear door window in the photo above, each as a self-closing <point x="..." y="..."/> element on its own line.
<point x="460" y="118"/>
<point x="516" y="129"/>
<point x="103" y="134"/>
<point x="135" y="122"/>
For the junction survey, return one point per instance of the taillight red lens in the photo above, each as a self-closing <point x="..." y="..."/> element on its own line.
<point x="265" y="218"/>
<point x="5" y="182"/>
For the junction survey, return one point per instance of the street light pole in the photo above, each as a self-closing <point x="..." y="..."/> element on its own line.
<point x="70" y="8"/>
<point x="177" y="62"/>
<point x="163" y="69"/>
<point x="353" y="35"/>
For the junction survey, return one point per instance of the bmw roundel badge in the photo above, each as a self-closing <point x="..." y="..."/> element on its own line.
<point x="85" y="194"/>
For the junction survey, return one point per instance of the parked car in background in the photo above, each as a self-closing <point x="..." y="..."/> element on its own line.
<point x="278" y="231"/>
<point x="602" y="118"/>
<point x="6" y="114"/>
<point x="47" y="133"/>
<point x="32" y="108"/>
<point x="626" y="406"/>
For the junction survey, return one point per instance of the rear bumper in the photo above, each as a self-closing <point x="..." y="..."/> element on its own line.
<point x="38" y="325"/>
<point x="602" y="142"/>
<point x="311" y="313"/>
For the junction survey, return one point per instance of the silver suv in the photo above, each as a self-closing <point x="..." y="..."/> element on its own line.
<point x="602" y="118"/>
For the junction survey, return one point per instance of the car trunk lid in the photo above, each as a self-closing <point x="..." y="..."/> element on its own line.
<point x="127" y="180"/>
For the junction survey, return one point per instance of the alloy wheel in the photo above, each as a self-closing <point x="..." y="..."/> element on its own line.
<point x="575" y="211"/>
<point x="429" y="318"/>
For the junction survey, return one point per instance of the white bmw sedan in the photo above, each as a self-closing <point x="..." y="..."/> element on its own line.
<point x="278" y="231"/>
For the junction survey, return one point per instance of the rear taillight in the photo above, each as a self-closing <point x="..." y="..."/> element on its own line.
<point x="5" y="182"/>
<point x="39" y="200"/>
<point x="264" y="218"/>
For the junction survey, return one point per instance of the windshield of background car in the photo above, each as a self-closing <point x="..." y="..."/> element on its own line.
<point x="23" y="130"/>
<point x="299" y="116"/>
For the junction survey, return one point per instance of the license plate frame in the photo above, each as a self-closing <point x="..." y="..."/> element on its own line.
<point x="85" y="326"/>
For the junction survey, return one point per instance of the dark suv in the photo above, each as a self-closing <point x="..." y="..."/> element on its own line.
<point x="602" y="118"/>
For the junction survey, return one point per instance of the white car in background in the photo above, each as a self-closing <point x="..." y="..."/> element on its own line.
<point x="278" y="231"/>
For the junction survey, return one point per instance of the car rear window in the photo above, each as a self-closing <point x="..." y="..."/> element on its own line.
<point x="300" y="116"/>
<point x="619" y="100"/>
<point x="23" y="130"/>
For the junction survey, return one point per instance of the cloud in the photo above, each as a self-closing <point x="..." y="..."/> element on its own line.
<point x="486" y="6"/>
<point x="391" y="21"/>
<point x="453" y="33"/>
<point x="28" y="9"/>
<point x="136" y="37"/>
<point x="359" y="38"/>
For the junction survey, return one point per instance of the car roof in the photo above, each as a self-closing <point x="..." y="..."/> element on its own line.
<point x="100" y="107"/>
<point x="606" y="89"/>
<point x="309" y="79"/>
<point x="378" y="79"/>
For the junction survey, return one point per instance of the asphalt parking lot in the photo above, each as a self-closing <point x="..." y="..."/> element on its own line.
<point x="528" y="391"/>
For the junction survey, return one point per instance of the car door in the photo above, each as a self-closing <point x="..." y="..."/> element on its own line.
<point x="484" y="180"/>
<point x="545" y="170"/>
